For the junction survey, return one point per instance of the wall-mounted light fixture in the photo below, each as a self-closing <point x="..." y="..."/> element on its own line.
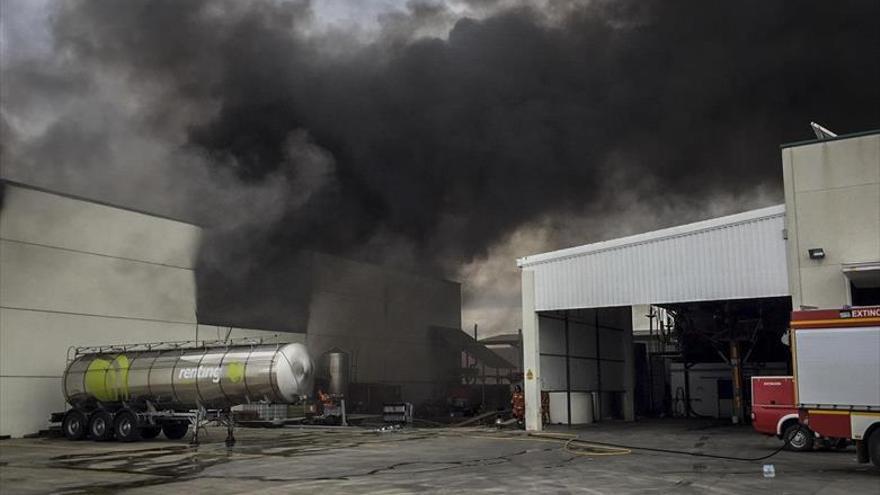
<point x="816" y="253"/>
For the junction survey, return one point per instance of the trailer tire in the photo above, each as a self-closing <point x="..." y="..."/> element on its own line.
<point x="126" y="427"/>
<point x="150" y="432"/>
<point x="874" y="447"/>
<point x="175" y="431"/>
<point x="798" y="438"/>
<point x="101" y="426"/>
<point x="75" y="425"/>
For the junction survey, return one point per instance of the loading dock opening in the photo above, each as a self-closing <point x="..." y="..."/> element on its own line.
<point x="585" y="358"/>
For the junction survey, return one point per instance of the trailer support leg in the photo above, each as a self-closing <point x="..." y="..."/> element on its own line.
<point x="194" y="441"/>
<point x="230" y="426"/>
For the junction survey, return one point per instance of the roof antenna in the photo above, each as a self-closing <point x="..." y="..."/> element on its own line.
<point x="821" y="132"/>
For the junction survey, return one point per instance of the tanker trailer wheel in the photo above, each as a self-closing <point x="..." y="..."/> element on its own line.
<point x="150" y="432"/>
<point x="175" y="431"/>
<point x="75" y="425"/>
<point x="101" y="426"/>
<point x="798" y="438"/>
<point x="126" y="427"/>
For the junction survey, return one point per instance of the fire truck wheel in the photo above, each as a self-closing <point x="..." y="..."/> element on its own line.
<point x="101" y="426"/>
<point x="175" y="431"/>
<point x="150" y="432"/>
<point x="74" y="425"/>
<point x="874" y="447"/>
<point x="798" y="438"/>
<point x="126" y="427"/>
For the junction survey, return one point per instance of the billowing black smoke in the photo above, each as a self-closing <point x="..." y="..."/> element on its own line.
<point x="446" y="144"/>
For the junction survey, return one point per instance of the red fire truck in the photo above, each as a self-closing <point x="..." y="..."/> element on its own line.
<point x="774" y="412"/>
<point x="836" y="358"/>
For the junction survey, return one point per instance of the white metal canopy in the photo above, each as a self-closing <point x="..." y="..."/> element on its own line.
<point x="738" y="256"/>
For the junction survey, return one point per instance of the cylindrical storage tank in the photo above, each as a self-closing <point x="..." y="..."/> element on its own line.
<point x="338" y="371"/>
<point x="213" y="377"/>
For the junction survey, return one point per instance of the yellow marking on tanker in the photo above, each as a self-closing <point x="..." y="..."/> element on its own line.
<point x="818" y="411"/>
<point x="121" y="386"/>
<point x="235" y="372"/>
<point x="108" y="380"/>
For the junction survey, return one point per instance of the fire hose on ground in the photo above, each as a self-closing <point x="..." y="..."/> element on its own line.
<point x="572" y="439"/>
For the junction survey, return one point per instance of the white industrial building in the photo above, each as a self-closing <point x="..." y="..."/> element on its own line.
<point x="77" y="272"/>
<point x="738" y="257"/>
<point x="821" y="248"/>
<point x="832" y="196"/>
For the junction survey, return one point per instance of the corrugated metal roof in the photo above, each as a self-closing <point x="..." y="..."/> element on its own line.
<point x="733" y="257"/>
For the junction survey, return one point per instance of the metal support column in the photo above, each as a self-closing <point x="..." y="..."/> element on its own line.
<point x="597" y="414"/>
<point x="531" y="353"/>
<point x="567" y="371"/>
<point x="736" y="369"/>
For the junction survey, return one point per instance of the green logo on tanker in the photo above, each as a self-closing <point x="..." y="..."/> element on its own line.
<point x="235" y="371"/>
<point x="108" y="380"/>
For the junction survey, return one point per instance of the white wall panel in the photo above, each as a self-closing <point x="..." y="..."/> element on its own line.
<point x="735" y="257"/>
<point x="581" y="408"/>
<point x="839" y="367"/>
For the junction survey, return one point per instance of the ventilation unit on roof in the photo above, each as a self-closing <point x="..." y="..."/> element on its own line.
<point x="821" y="132"/>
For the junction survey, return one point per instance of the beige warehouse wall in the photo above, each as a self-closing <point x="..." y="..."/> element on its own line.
<point x="39" y="217"/>
<point x="73" y="272"/>
<point x="37" y="277"/>
<point x="832" y="194"/>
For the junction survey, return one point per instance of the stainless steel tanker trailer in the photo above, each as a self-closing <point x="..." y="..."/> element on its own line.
<point x="130" y="392"/>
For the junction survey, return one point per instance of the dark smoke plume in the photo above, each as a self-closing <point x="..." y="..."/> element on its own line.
<point x="432" y="149"/>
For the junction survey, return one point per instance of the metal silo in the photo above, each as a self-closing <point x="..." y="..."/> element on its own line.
<point x="337" y="372"/>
